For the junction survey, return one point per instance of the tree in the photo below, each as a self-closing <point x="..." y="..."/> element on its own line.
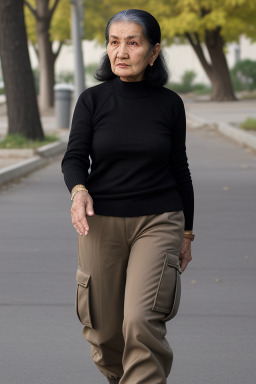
<point x="47" y="21"/>
<point x="212" y="23"/>
<point x="23" y="113"/>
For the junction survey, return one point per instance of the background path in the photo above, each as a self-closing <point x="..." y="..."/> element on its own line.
<point x="226" y="112"/>
<point x="213" y="336"/>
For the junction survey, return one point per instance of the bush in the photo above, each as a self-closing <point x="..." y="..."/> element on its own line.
<point x="65" y="77"/>
<point x="176" y="87"/>
<point x="243" y="75"/>
<point x="187" y="85"/>
<point x="90" y="69"/>
<point x="249" y="124"/>
<point x="187" y="80"/>
<point x="202" y="89"/>
<point x="68" y="76"/>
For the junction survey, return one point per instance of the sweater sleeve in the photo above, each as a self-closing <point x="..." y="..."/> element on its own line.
<point x="179" y="165"/>
<point x="76" y="162"/>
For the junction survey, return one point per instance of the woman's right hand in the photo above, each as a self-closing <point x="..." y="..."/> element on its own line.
<point x="82" y="206"/>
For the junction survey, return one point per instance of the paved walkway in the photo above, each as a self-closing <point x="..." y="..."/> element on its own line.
<point x="213" y="336"/>
<point x="227" y="112"/>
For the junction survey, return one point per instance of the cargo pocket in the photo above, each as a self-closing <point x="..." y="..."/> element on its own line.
<point x="83" y="297"/>
<point x="167" y="298"/>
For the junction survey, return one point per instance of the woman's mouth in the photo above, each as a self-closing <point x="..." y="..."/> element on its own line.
<point x="121" y="65"/>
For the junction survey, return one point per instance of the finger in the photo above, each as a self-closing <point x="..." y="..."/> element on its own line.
<point x="83" y="225"/>
<point x="89" y="208"/>
<point x="77" y="230"/>
<point x="79" y="219"/>
<point x="77" y="227"/>
<point x="183" y="265"/>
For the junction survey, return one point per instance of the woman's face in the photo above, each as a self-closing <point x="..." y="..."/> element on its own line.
<point x="129" y="51"/>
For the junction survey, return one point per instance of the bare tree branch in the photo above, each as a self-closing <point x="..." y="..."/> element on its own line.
<point x="56" y="54"/>
<point x="32" y="10"/>
<point x="51" y="11"/>
<point x="196" y="45"/>
<point x="198" y="42"/>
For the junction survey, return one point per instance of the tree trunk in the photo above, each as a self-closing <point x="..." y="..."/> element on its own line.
<point x="217" y="70"/>
<point x="46" y="55"/>
<point x="23" y="113"/>
<point x="46" y="69"/>
<point x="220" y="76"/>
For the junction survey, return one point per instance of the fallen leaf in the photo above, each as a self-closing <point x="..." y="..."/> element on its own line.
<point x="244" y="166"/>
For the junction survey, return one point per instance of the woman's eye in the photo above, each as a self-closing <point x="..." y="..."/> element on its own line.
<point x="133" y="42"/>
<point x="114" y="42"/>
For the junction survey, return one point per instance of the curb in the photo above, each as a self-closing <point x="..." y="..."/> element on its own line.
<point x="52" y="149"/>
<point x="24" y="167"/>
<point x="15" y="171"/>
<point x="238" y="135"/>
<point x="241" y="137"/>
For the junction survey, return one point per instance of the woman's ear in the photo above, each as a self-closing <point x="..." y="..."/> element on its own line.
<point x="155" y="53"/>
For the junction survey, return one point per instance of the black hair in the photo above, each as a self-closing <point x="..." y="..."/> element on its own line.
<point x="155" y="75"/>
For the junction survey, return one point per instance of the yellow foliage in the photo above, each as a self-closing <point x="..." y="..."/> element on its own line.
<point x="60" y="25"/>
<point x="177" y="17"/>
<point x="30" y="22"/>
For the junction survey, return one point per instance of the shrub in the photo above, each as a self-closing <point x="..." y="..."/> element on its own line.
<point x="187" y="85"/>
<point x="65" y="77"/>
<point x="187" y="80"/>
<point x="249" y="124"/>
<point x="243" y="75"/>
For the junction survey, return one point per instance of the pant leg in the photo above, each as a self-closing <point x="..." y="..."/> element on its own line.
<point x="103" y="255"/>
<point x="147" y="357"/>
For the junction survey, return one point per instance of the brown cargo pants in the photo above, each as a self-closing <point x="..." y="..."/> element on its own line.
<point x="128" y="286"/>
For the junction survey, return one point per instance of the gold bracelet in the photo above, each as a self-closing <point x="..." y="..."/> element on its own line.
<point x="189" y="235"/>
<point x="77" y="188"/>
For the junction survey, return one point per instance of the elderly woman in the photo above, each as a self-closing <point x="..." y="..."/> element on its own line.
<point x="134" y="210"/>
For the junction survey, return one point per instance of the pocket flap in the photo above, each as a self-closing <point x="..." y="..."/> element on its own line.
<point x="173" y="261"/>
<point x="82" y="277"/>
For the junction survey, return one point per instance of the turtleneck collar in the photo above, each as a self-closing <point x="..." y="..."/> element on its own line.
<point x="131" y="89"/>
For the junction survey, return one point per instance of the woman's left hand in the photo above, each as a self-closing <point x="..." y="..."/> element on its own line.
<point x="185" y="253"/>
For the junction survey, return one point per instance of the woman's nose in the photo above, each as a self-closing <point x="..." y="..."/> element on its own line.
<point x="122" y="52"/>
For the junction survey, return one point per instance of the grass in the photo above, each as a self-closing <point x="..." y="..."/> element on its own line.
<point x="20" y="141"/>
<point x="249" y="124"/>
<point x="198" y="88"/>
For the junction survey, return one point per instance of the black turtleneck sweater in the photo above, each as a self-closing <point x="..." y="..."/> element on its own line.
<point x="135" y="136"/>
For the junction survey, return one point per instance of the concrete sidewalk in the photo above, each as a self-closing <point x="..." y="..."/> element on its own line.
<point x="230" y="112"/>
<point x="224" y="117"/>
<point x="213" y="336"/>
